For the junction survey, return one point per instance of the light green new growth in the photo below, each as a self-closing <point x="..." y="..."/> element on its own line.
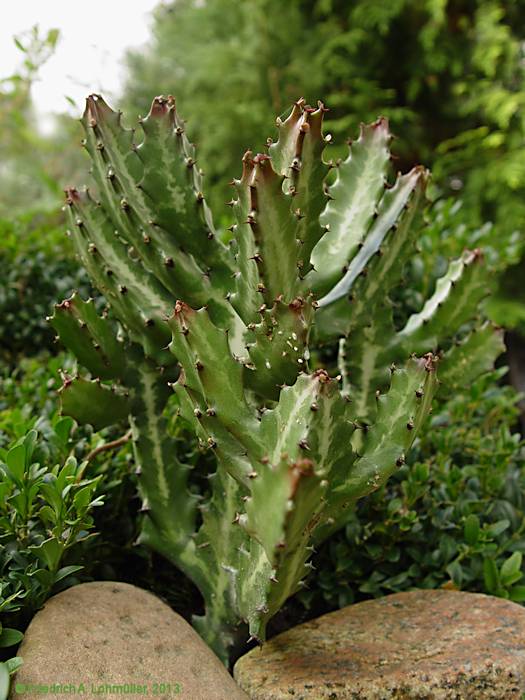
<point x="233" y="331"/>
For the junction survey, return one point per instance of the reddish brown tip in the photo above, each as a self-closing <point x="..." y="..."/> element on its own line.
<point x="72" y="195"/>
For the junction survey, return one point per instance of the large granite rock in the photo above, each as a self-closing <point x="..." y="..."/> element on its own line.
<point x="98" y="635"/>
<point x="424" y="645"/>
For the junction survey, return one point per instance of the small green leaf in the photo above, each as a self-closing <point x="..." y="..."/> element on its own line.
<point x="48" y="515"/>
<point x="517" y="594"/>
<point x="511" y="566"/>
<point x="16" y="461"/>
<point x="49" y="552"/>
<point x="9" y="637"/>
<point x="44" y="577"/>
<point x="52" y="37"/>
<point x="455" y="572"/>
<point x="490" y="575"/>
<point x="497" y="528"/>
<point x="63" y="428"/>
<point x="66" y="571"/>
<point x="511" y="578"/>
<point x="471" y="529"/>
<point x="52" y="495"/>
<point x="82" y="498"/>
<point x="422" y="472"/>
<point x="19" y="45"/>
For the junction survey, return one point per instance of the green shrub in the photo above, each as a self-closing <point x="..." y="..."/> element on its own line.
<point x="36" y="267"/>
<point x="45" y="513"/>
<point x="28" y="401"/>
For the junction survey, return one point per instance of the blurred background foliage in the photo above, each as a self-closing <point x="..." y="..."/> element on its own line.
<point x="33" y="166"/>
<point x="450" y="77"/>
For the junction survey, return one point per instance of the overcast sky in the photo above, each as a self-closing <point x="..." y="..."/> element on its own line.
<point x="94" y="36"/>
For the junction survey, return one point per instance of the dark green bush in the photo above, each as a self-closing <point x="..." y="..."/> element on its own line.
<point x="47" y="489"/>
<point x="45" y="511"/>
<point x="36" y="268"/>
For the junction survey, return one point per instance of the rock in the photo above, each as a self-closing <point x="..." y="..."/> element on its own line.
<point x="424" y="645"/>
<point x="106" y="634"/>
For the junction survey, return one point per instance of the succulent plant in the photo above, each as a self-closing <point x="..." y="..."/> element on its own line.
<point x="234" y="330"/>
